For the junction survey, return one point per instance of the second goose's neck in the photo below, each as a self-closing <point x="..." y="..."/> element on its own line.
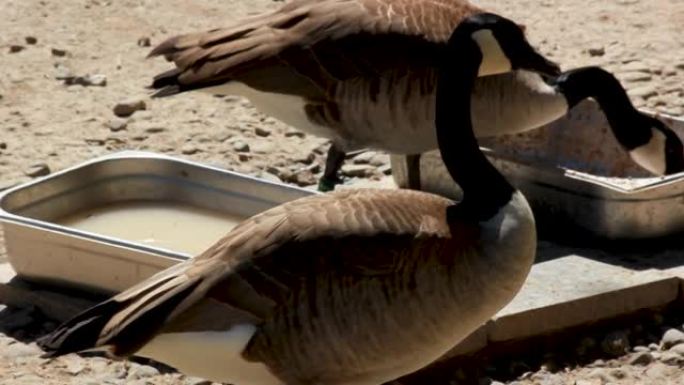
<point x="581" y="83"/>
<point x="485" y="190"/>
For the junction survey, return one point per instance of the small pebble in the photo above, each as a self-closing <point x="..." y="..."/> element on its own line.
<point x="599" y="374"/>
<point x="116" y="370"/>
<point x="95" y="141"/>
<point x="679" y="349"/>
<point x="671" y="338"/>
<point x="596" y="51"/>
<point x="635" y="66"/>
<point x="270" y="177"/>
<point x="58" y="52"/>
<point x="641" y="359"/>
<point x="261" y="131"/>
<point x="31" y="40"/>
<point x="295" y="133"/>
<point x="303" y="178"/>
<point x="117" y="124"/>
<point x="144" y="42"/>
<point x="357" y="170"/>
<point x="154" y="129"/>
<point x="74" y="366"/>
<point x="128" y="107"/>
<point x="636" y="77"/>
<point x="14" y="48"/>
<point x="618" y="373"/>
<point x="240" y="146"/>
<point x="189" y="149"/>
<point x="97" y="80"/>
<point x="671" y="358"/>
<point x="307" y="159"/>
<point x="658" y="371"/>
<point x="644" y="92"/>
<point x="37" y="170"/>
<point x="547" y="379"/>
<point x="142" y="371"/>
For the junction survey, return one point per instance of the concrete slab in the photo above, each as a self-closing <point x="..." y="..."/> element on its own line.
<point x="574" y="290"/>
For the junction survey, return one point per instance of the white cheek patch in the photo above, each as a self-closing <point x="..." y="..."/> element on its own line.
<point x="651" y="155"/>
<point x="494" y="60"/>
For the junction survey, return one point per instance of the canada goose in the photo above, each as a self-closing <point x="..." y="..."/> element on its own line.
<point x="355" y="287"/>
<point x="363" y="74"/>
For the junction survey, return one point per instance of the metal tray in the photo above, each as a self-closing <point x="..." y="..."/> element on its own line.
<point x="575" y="175"/>
<point x="40" y="249"/>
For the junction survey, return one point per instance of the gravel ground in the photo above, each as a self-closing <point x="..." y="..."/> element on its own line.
<point x="67" y="65"/>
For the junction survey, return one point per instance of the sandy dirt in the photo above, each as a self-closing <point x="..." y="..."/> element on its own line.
<point x="47" y="125"/>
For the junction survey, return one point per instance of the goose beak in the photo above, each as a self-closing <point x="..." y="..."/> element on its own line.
<point x="538" y="63"/>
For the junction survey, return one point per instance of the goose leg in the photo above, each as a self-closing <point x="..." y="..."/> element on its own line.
<point x="333" y="163"/>
<point x="413" y="171"/>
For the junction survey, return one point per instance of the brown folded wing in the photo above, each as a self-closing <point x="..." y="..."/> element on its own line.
<point x="269" y="258"/>
<point x="307" y="46"/>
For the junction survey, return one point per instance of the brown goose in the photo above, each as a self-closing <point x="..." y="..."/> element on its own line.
<point x="363" y="74"/>
<point x="355" y="287"/>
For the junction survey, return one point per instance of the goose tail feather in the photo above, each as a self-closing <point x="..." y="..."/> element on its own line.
<point x="79" y="333"/>
<point x="123" y="324"/>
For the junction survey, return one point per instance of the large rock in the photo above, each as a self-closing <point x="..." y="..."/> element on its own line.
<point x="671" y="338"/>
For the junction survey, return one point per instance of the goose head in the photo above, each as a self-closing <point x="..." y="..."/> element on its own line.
<point x="661" y="153"/>
<point x="481" y="44"/>
<point x="503" y="46"/>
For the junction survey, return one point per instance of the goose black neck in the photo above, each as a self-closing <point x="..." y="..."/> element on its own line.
<point x="485" y="190"/>
<point x="628" y="125"/>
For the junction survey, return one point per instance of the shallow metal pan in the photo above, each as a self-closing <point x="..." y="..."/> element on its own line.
<point x="576" y="176"/>
<point x="41" y="249"/>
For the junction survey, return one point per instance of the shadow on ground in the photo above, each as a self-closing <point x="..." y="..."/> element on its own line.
<point x="658" y="254"/>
